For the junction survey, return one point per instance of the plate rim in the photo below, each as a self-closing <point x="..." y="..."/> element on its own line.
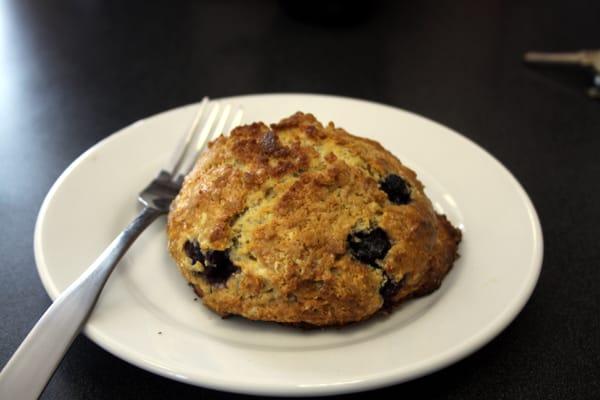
<point x="432" y="364"/>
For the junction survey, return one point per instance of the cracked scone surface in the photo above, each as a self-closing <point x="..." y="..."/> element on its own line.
<point x="302" y="223"/>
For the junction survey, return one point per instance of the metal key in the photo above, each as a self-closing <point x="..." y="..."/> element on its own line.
<point x="585" y="58"/>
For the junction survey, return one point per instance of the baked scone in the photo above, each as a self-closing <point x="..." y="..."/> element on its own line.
<point x="306" y="224"/>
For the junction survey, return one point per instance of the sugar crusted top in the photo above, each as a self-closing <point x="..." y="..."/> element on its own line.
<point x="297" y="207"/>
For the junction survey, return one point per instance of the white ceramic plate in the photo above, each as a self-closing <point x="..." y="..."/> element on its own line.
<point x="147" y="314"/>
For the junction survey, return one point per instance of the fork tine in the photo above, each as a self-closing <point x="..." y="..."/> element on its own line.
<point x="201" y="141"/>
<point x="236" y="120"/>
<point x="185" y="145"/>
<point x="207" y="128"/>
<point x="221" y="124"/>
<point x="211" y="129"/>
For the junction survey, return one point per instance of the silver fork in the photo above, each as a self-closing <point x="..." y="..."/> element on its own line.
<point x="30" y="368"/>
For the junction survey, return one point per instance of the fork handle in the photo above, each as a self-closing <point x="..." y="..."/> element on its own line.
<point x="28" y="371"/>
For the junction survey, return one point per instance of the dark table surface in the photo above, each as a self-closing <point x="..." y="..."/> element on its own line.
<point x="73" y="72"/>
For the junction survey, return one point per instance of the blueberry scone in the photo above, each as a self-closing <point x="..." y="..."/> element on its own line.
<point x="306" y="224"/>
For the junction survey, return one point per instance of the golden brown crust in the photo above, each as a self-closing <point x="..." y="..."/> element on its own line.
<point x="282" y="201"/>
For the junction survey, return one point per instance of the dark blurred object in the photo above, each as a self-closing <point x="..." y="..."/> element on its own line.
<point x="594" y="91"/>
<point x="589" y="59"/>
<point x="335" y="13"/>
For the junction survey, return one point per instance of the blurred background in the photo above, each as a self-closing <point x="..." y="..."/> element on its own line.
<point x="73" y="72"/>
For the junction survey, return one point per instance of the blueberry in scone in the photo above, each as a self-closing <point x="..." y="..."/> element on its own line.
<point x="396" y="188"/>
<point x="369" y="246"/>
<point x="303" y="223"/>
